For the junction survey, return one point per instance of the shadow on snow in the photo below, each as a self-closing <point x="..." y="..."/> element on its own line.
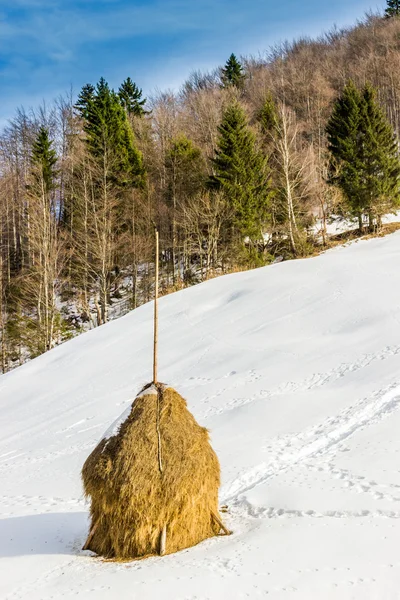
<point x="49" y="533"/>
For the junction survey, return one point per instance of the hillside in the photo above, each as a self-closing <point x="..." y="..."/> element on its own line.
<point x="295" y="370"/>
<point x="83" y="180"/>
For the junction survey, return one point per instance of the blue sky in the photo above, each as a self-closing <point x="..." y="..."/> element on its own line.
<point x="47" y="46"/>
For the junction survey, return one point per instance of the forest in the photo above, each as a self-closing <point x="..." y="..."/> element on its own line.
<point x="242" y="166"/>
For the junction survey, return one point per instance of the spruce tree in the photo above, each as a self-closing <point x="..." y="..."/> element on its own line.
<point x="185" y="168"/>
<point x="393" y="9"/>
<point x="232" y="74"/>
<point x="86" y="96"/>
<point x="267" y="116"/>
<point x="343" y="131"/>
<point x="364" y="154"/>
<point x="241" y="172"/>
<point x="110" y="135"/>
<point x="131" y="98"/>
<point x="116" y="168"/>
<point x="44" y="158"/>
<point x="380" y="159"/>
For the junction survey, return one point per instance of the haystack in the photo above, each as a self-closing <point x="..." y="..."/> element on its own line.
<point x="154" y="483"/>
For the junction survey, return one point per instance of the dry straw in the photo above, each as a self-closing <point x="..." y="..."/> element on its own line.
<point x="153" y="484"/>
<point x="137" y="509"/>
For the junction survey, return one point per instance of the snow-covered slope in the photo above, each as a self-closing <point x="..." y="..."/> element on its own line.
<point x="295" y="369"/>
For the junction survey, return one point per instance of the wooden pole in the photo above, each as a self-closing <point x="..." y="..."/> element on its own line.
<point x="155" y="349"/>
<point x="90" y="536"/>
<point x="163" y="540"/>
<point x="220" y="523"/>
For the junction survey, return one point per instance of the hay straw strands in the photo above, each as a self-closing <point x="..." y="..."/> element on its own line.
<point x="154" y="473"/>
<point x="137" y="510"/>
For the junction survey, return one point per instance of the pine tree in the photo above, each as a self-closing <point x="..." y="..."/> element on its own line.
<point x="110" y="136"/>
<point x="343" y="131"/>
<point x="185" y="168"/>
<point x="241" y="172"/>
<point x="393" y="9"/>
<point x="86" y="96"/>
<point x="268" y="117"/>
<point x="232" y="74"/>
<point x="364" y="155"/>
<point x="112" y="167"/>
<point x="380" y="159"/>
<point x="44" y="158"/>
<point x="131" y="98"/>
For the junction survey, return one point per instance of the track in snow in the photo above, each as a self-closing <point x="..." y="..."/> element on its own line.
<point x="318" y="440"/>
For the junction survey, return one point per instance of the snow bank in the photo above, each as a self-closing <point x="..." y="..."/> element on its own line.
<point x="295" y="369"/>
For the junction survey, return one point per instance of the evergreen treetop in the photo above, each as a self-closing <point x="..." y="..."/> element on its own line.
<point x="393" y="9"/>
<point x="183" y="150"/>
<point x="86" y="96"/>
<point x="267" y="115"/>
<point x="232" y="73"/>
<point x="109" y="135"/>
<point x="44" y="158"/>
<point x="185" y="163"/>
<point x="130" y="96"/>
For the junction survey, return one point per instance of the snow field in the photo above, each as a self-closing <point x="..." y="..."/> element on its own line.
<point x="295" y="369"/>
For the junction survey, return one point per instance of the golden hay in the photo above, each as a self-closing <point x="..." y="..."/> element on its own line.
<point x="132" y="500"/>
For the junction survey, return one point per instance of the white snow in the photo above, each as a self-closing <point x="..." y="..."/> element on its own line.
<point x="148" y="391"/>
<point x="295" y="369"/>
<point x="115" y="427"/>
<point x="339" y="225"/>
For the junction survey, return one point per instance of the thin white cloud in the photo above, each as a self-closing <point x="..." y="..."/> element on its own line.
<point x="66" y="25"/>
<point x="47" y="44"/>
